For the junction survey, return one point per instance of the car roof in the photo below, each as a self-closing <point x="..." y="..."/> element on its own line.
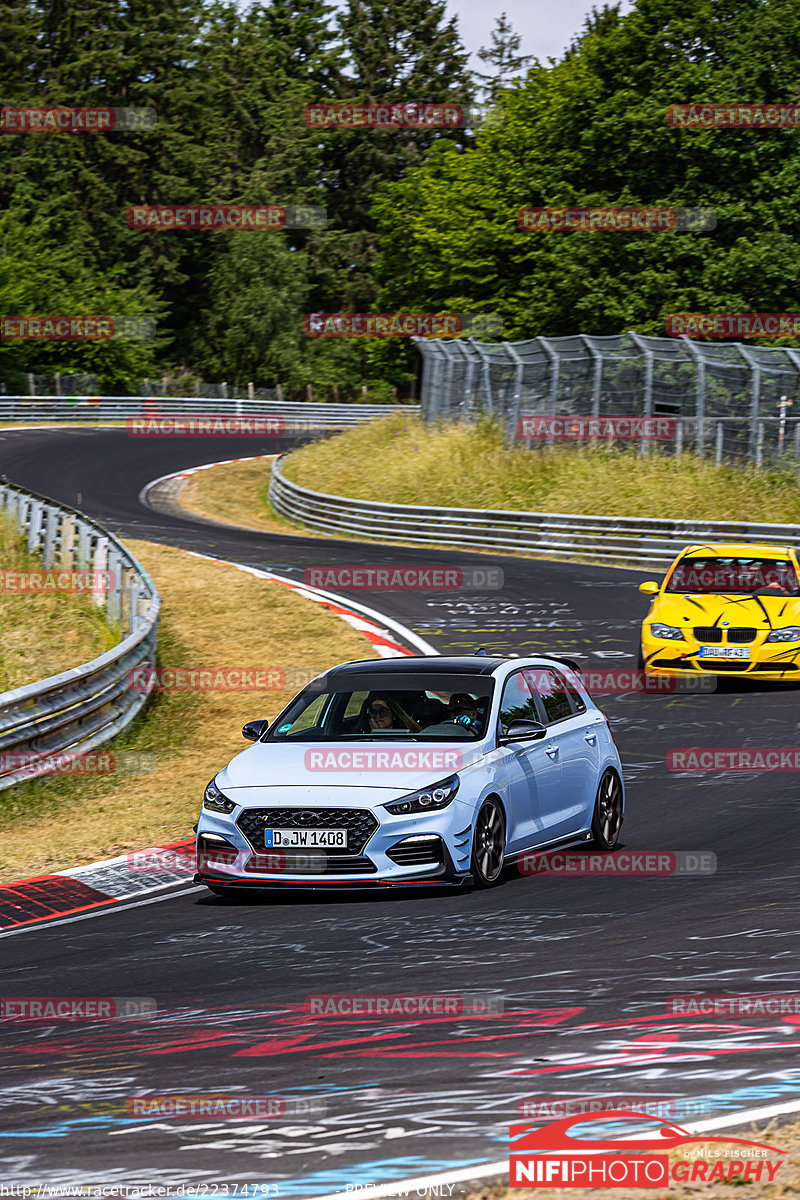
<point x="464" y="664"/>
<point x="733" y="549"/>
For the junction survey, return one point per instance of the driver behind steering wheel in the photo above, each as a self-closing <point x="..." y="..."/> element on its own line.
<point x="463" y="710"/>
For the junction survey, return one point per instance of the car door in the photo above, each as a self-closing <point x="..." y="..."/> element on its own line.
<point x="532" y="768"/>
<point x="573" y="729"/>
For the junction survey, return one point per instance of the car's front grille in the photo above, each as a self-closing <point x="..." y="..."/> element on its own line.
<point x="718" y="665"/>
<point x="707" y="633"/>
<point x="359" y="823"/>
<point x="410" y="853"/>
<point x="742" y="635"/>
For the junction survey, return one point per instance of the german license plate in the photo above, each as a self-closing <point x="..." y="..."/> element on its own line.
<point x="723" y="652"/>
<point x="308" y="838"/>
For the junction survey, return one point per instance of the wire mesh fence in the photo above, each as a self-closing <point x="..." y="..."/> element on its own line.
<point x="729" y="401"/>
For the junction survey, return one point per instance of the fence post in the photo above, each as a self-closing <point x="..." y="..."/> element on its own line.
<point x="279" y="390"/>
<point x="58" y="383"/>
<point x="648" y="383"/>
<point x="487" y="379"/>
<point x="555" y="367"/>
<point x="718" y="445"/>
<point x="678" y="437"/>
<point x="251" y="395"/>
<point x="760" y="444"/>
<point x="512" y="418"/>
<point x="597" y="374"/>
<point x="31" y="384"/>
<point x="755" y="389"/>
<point x="699" y="395"/>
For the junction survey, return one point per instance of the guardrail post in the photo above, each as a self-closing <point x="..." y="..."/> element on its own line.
<point x="99" y="567"/>
<point x="114" y="595"/>
<point x="67" y="557"/>
<point x="35" y="525"/>
<point x="50" y="536"/>
<point x="83" y="557"/>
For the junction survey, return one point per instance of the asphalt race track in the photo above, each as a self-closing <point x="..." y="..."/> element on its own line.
<point x="585" y="965"/>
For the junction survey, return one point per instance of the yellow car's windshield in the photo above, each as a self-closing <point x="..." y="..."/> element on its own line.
<point x="737" y="576"/>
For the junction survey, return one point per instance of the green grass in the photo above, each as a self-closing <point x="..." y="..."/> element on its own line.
<point x="43" y="633"/>
<point x="400" y="460"/>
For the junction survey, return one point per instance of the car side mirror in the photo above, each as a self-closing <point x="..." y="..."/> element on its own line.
<point x="522" y="731"/>
<point x="254" y="729"/>
<point x="650" y="588"/>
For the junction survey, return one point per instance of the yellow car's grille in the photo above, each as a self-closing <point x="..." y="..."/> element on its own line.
<point x="713" y="634"/>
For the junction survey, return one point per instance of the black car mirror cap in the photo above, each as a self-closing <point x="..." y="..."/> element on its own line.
<point x="521" y="731"/>
<point x="253" y="730"/>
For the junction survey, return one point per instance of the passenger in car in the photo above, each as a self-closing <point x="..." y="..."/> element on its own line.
<point x="383" y="712"/>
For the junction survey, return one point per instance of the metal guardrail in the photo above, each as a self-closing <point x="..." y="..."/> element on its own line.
<point x="635" y="542"/>
<point x="294" y="414"/>
<point x="81" y="708"/>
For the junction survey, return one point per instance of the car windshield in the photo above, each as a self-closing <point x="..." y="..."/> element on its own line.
<point x="388" y="706"/>
<point x="748" y="576"/>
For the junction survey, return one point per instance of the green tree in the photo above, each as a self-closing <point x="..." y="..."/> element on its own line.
<point x="503" y="57"/>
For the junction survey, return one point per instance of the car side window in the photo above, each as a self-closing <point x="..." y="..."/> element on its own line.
<point x="518" y="702"/>
<point x="552" y="688"/>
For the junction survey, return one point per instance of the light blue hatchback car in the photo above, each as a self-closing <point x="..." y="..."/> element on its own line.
<point x="414" y="771"/>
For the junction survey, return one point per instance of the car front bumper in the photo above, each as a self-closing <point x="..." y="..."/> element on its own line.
<point x="775" y="661"/>
<point x="388" y="858"/>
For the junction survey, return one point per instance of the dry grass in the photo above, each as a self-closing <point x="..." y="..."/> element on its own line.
<point x="235" y="492"/>
<point x="787" y="1180"/>
<point x="212" y="616"/>
<point x="43" y="633"/>
<point x="397" y="459"/>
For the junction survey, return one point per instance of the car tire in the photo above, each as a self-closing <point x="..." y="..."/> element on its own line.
<point x="488" y="844"/>
<point x="607" y="816"/>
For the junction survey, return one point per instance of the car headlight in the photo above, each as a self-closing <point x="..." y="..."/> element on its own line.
<point x="789" y="633"/>
<point x="438" y="795"/>
<point x="217" y="801"/>
<point x="672" y="632"/>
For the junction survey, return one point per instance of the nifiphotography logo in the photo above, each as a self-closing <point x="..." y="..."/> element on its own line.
<point x="554" y="1157"/>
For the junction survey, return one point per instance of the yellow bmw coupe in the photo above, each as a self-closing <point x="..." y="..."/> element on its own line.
<point x="728" y="608"/>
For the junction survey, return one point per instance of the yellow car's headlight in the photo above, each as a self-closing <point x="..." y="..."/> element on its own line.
<point x="671" y="632"/>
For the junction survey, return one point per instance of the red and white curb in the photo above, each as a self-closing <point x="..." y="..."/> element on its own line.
<point x="80" y="889"/>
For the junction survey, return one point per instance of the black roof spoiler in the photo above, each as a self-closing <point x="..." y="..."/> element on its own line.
<point x="568" y="662"/>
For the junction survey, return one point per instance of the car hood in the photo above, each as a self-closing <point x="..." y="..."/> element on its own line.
<point x="757" y="612"/>
<point x="321" y="767"/>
